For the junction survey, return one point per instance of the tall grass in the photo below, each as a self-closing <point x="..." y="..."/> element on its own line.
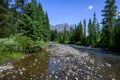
<point x="11" y="54"/>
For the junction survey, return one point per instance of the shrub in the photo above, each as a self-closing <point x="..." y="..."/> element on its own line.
<point x="17" y="43"/>
<point x="26" y="44"/>
<point x="8" y="44"/>
<point x="20" y="43"/>
<point x="39" y="44"/>
<point x="78" y="43"/>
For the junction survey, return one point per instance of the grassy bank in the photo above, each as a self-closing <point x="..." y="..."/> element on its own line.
<point x="19" y="45"/>
<point x="11" y="55"/>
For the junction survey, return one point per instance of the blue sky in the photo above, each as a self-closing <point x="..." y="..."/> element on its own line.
<point x="73" y="11"/>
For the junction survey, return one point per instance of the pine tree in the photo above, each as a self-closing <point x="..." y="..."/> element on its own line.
<point x="79" y="33"/>
<point x="108" y="23"/>
<point x="84" y="25"/>
<point x="98" y="33"/>
<point x="96" y="30"/>
<point x="72" y="34"/>
<point x="7" y="19"/>
<point x="5" y="3"/>
<point x="46" y="27"/>
<point x="91" y="33"/>
<point x="19" y="4"/>
<point x="117" y="34"/>
<point x="40" y="18"/>
<point x="34" y="23"/>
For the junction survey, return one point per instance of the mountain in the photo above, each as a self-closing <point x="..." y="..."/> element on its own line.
<point x="60" y="27"/>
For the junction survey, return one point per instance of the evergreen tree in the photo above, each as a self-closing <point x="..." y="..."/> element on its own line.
<point x="84" y="25"/>
<point x="81" y="32"/>
<point x="108" y="23"/>
<point x="34" y="3"/>
<point x="34" y="23"/>
<point x="5" y="3"/>
<point x="117" y="34"/>
<point x="7" y="19"/>
<point x="54" y="35"/>
<point x="72" y="34"/>
<point x="46" y="27"/>
<point x="98" y="33"/>
<point x="96" y="30"/>
<point x="91" y="33"/>
<point x="19" y="4"/>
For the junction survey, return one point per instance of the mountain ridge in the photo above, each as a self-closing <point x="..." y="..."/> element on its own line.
<point x="60" y="27"/>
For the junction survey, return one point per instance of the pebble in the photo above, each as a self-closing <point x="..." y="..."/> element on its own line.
<point x="56" y="76"/>
<point x="50" y="75"/>
<point x="53" y="72"/>
<point x="21" y="72"/>
<point x="54" y="62"/>
<point x="113" y="78"/>
<point x="36" y="60"/>
<point x="68" y="58"/>
<point x="108" y="64"/>
<point x="76" y="78"/>
<point x="58" y="60"/>
<point x="100" y="76"/>
<point x="88" y="77"/>
<point x="23" y="69"/>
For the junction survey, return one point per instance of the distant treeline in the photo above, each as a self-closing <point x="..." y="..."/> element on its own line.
<point x="91" y="34"/>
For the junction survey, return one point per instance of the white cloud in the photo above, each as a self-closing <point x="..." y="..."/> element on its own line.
<point x="90" y="7"/>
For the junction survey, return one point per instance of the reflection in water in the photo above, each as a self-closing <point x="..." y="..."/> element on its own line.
<point x="31" y="67"/>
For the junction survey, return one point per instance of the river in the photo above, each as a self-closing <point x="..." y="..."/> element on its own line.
<point x="99" y="64"/>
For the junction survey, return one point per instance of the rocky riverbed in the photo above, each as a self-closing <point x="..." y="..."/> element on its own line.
<point x="63" y="62"/>
<point x="69" y="63"/>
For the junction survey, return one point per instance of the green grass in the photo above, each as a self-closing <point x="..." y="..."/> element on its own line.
<point x="12" y="55"/>
<point x="1" y="59"/>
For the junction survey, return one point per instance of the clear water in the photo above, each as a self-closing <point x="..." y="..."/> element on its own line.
<point x="42" y="66"/>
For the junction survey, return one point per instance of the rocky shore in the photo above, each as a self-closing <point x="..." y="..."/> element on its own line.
<point x="63" y="62"/>
<point x="69" y="63"/>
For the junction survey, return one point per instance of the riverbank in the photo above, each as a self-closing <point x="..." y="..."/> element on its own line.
<point x="63" y="62"/>
<point x="69" y="63"/>
<point x="8" y="56"/>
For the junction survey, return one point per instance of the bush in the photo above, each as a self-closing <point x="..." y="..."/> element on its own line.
<point x="20" y="43"/>
<point x="17" y="43"/>
<point x="8" y="44"/>
<point x="39" y="44"/>
<point x="26" y="44"/>
<point x="78" y="43"/>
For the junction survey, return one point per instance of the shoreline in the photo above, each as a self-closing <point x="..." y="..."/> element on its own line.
<point x="69" y="63"/>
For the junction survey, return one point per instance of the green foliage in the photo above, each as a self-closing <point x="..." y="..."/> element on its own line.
<point x="109" y="13"/>
<point x="117" y="35"/>
<point x="30" y="20"/>
<point x="11" y="54"/>
<point x="17" y="43"/>
<point x="25" y="43"/>
<point x="34" y="22"/>
<point x="4" y="55"/>
<point x="39" y="44"/>
<point x="7" y="22"/>
<point x="77" y="34"/>
<point x="8" y="44"/>
<point x="54" y="35"/>
<point x="1" y="59"/>
<point x="84" y="27"/>
<point x="78" y="43"/>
